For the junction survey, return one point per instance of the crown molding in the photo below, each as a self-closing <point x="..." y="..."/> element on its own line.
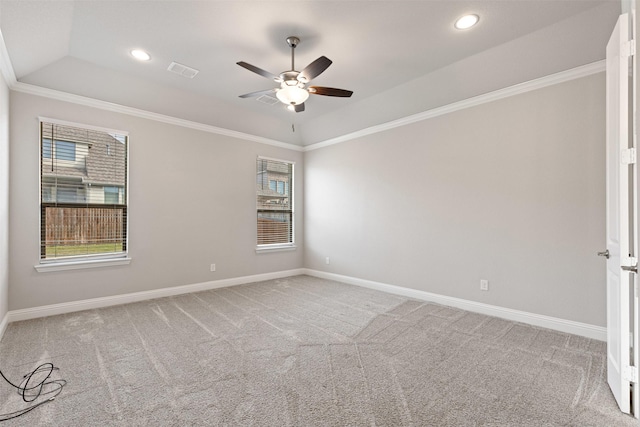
<point x="6" y="68"/>
<point x="552" y="79"/>
<point x="136" y="112"/>
<point x="8" y="73"/>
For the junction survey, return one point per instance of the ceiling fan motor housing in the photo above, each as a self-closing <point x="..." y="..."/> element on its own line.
<point x="290" y="78"/>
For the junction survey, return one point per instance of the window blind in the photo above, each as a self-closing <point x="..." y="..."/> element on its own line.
<point x="83" y="192"/>
<point x="274" y="199"/>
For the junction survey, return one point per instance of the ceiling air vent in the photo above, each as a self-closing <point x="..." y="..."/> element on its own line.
<point x="182" y="70"/>
<point x="266" y="99"/>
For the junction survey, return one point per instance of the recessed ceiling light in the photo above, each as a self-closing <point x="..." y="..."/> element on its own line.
<point x="466" y="21"/>
<point x="140" y="55"/>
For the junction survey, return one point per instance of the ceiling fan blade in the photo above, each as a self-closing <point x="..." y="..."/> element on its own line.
<point x="257" y="70"/>
<point x="298" y="108"/>
<point x="330" y="91"/>
<point x="257" y="93"/>
<point x="314" y="69"/>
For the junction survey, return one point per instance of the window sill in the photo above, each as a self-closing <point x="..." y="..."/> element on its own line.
<point x="275" y="248"/>
<point x="78" y="265"/>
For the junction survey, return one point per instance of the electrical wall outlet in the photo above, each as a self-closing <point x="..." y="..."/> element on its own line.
<point x="326" y="261"/>
<point x="213" y="267"/>
<point x="484" y="285"/>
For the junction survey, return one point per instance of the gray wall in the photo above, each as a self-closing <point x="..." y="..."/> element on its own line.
<point x="192" y="203"/>
<point x="512" y="191"/>
<point x="4" y="198"/>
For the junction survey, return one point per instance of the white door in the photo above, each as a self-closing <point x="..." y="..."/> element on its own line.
<point x="620" y="159"/>
<point x="635" y="235"/>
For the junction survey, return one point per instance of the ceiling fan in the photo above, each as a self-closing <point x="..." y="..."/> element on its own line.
<point x="293" y="90"/>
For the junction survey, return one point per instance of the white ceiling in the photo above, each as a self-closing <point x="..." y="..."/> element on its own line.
<point x="399" y="57"/>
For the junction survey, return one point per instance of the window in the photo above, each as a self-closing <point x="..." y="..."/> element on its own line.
<point x="83" y="182"/>
<point x="64" y="150"/>
<point x="111" y="195"/>
<point x="47" y="148"/>
<point x="261" y="178"/>
<point x="69" y="195"/>
<point x="274" y="203"/>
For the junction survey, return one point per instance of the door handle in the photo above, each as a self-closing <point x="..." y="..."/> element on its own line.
<point x="604" y="254"/>
<point x="631" y="268"/>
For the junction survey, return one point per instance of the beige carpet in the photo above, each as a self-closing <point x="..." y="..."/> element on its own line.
<point x="304" y="351"/>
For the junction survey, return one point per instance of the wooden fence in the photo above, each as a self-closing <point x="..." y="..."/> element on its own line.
<point x="83" y="225"/>
<point x="272" y="231"/>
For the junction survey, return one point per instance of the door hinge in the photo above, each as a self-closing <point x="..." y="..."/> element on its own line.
<point x="628" y="156"/>
<point x="631" y="374"/>
<point x="628" y="48"/>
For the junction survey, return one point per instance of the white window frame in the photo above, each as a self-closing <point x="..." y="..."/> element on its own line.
<point x="89" y="261"/>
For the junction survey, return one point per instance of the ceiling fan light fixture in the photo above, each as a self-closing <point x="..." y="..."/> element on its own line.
<point x="466" y="21"/>
<point x="292" y="95"/>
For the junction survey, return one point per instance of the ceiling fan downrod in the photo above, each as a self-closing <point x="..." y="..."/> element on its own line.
<point x="292" y="41"/>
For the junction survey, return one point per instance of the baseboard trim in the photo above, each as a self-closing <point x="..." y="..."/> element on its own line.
<point x="562" y="325"/>
<point x="88" y="304"/>
<point x="3" y="325"/>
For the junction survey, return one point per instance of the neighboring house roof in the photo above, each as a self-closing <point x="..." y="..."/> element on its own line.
<point x="106" y="166"/>
<point x="104" y="163"/>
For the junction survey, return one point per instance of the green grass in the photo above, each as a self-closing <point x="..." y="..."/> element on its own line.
<point x="74" y="250"/>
